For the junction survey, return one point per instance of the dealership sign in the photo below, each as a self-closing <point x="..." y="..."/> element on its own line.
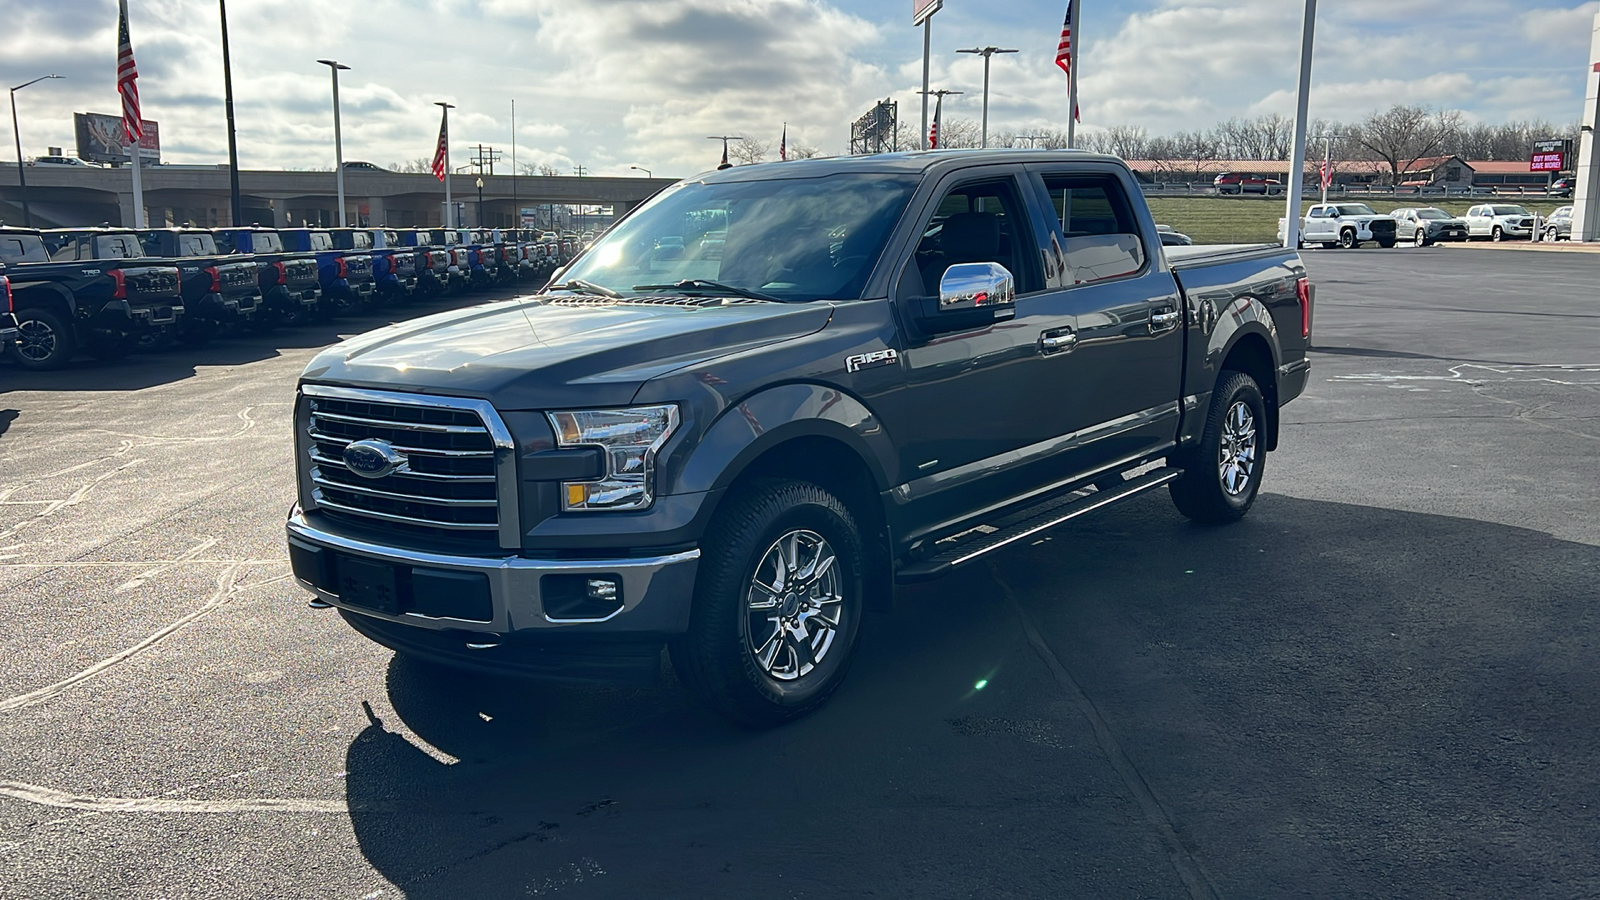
<point x="1549" y="156"/>
<point x="101" y="139"/>
<point x="922" y="9"/>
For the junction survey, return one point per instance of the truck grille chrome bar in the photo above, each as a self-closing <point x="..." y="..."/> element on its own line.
<point x="459" y="474"/>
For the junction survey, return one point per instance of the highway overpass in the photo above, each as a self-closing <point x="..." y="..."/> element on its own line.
<point x="60" y="195"/>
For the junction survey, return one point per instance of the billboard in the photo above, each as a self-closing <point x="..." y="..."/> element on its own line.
<point x="876" y="131"/>
<point x="1549" y="156"/>
<point x="100" y="139"/>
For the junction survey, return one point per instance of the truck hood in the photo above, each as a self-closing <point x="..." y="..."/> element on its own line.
<point x="563" y="352"/>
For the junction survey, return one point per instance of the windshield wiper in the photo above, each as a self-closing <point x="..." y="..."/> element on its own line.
<point x="579" y="286"/>
<point x="701" y="286"/>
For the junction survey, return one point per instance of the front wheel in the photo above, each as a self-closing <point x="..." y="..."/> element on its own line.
<point x="1386" y="243"/>
<point x="1420" y="238"/>
<point x="1347" y="240"/>
<point x="1497" y="234"/>
<point x="777" y="607"/>
<point x="1222" y="474"/>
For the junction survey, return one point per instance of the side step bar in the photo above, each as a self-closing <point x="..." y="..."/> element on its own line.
<point x="1049" y="515"/>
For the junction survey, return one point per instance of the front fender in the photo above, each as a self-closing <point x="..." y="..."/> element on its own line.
<point x="743" y="431"/>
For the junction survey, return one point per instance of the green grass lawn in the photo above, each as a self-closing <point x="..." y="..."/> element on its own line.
<point x="1251" y="220"/>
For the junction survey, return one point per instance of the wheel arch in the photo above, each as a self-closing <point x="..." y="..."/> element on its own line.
<point x="1250" y="351"/>
<point x="44" y="295"/>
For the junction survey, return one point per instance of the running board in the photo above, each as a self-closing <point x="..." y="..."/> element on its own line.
<point x="1049" y="515"/>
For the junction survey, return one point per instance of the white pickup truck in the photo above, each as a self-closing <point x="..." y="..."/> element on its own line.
<point x="1347" y="225"/>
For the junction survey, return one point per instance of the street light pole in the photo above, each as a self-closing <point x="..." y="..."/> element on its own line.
<point x="480" y="202"/>
<point x="644" y="170"/>
<point x="338" y="139"/>
<point x="236" y="205"/>
<point x="986" y="52"/>
<point x="22" y="178"/>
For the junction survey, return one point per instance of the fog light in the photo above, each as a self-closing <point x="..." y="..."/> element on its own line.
<point x="602" y="589"/>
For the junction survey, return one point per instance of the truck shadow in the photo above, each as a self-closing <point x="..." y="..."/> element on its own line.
<point x="1337" y="698"/>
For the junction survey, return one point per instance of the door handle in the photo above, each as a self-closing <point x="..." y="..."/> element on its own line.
<point x="1058" y="341"/>
<point x="1163" y="320"/>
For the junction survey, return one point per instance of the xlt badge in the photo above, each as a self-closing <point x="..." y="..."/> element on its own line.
<point x="876" y="358"/>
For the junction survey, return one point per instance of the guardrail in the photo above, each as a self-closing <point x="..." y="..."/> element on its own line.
<point x="1206" y="188"/>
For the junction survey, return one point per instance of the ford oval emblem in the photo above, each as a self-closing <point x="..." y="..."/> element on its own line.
<point x="373" y="458"/>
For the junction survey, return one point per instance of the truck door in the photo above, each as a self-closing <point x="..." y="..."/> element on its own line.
<point x="975" y="416"/>
<point x="1116" y="387"/>
<point x="1317" y="225"/>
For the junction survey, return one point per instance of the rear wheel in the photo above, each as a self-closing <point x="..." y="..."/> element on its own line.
<point x="777" y="608"/>
<point x="1222" y="474"/>
<point x="45" y="339"/>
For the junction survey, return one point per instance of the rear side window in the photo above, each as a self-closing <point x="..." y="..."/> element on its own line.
<point x="1100" y="235"/>
<point x="22" y="248"/>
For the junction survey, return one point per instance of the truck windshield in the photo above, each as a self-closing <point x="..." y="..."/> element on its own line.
<point x="1431" y="213"/>
<point x="1509" y="211"/>
<point x="795" y="239"/>
<point x="193" y="244"/>
<point x="1355" y="209"/>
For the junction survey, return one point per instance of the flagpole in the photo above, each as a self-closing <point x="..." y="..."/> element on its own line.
<point x="516" y="208"/>
<point x="927" y="43"/>
<point x="444" y="127"/>
<point x="1297" y="165"/>
<point x="1327" y="165"/>
<point x="1072" y="77"/>
<point x="138" y="189"/>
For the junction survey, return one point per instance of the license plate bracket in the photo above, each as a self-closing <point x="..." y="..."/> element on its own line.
<point x="369" y="585"/>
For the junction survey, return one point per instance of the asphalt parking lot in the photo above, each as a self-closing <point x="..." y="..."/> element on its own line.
<point x="1381" y="683"/>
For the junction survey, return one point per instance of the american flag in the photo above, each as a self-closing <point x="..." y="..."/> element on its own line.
<point x="1064" y="53"/>
<point x="933" y="130"/>
<point x="128" y="81"/>
<point x="783" y="144"/>
<point x="1326" y="175"/>
<point x="441" y="155"/>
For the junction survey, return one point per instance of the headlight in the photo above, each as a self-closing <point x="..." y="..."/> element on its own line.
<point x="630" y="439"/>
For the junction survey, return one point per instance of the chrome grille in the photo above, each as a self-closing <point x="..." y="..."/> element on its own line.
<point x="451" y="483"/>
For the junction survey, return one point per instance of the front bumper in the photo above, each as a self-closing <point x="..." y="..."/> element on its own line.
<point x="493" y="598"/>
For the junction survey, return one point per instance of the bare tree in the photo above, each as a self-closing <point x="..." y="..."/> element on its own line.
<point x="422" y="165"/>
<point x="803" y="151"/>
<point x="1403" y="135"/>
<point x="544" y="169"/>
<point x="748" y="150"/>
<point x="1126" y="141"/>
<point x="1264" y="137"/>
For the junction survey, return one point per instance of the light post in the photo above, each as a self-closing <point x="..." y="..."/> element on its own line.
<point x="22" y="178"/>
<point x="644" y="170"/>
<point x="986" y="53"/>
<point x="338" y="141"/>
<point x="235" y="204"/>
<point x="480" y="202"/>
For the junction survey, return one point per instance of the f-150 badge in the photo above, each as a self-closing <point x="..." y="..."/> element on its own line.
<point x="866" y="360"/>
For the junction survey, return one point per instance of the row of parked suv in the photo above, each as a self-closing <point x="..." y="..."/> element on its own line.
<point x="106" y="291"/>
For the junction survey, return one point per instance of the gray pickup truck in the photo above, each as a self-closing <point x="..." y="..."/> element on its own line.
<point x="769" y="394"/>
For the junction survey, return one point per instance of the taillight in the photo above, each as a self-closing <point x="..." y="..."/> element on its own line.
<point x="1302" y="292"/>
<point x="283" y="272"/>
<point x="120" y="292"/>
<point x="455" y="258"/>
<point x="344" y="267"/>
<point x="216" y="279"/>
<point x="427" y="259"/>
<point x="5" y="297"/>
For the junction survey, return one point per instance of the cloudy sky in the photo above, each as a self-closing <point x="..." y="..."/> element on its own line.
<point x="614" y="83"/>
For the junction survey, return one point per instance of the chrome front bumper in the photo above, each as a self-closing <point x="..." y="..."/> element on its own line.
<point x="656" y="591"/>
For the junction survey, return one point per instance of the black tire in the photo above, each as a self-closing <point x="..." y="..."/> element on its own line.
<point x="1420" y="238"/>
<point x="1347" y="239"/>
<point x="1202" y="494"/>
<point x="1329" y="245"/>
<point x="718" y="658"/>
<point x="1497" y="235"/>
<point x="46" y="339"/>
<point x="1386" y="243"/>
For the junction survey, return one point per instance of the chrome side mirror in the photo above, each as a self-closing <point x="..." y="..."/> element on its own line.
<point x="974" y="285"/>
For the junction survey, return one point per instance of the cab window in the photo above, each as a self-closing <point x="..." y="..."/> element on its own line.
<point x="66" y="251"/>
<point x="977" y="222"/>
<point x="1100" y="234"/>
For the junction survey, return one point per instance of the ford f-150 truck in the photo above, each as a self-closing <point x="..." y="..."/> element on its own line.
<point x="288" y="281"/>
<point x="844" y="374"/>
<point x="94" y="292"/>
<point x="219" y="289"/>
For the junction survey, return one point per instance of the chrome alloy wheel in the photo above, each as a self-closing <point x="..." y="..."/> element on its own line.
<point x="36" y="340"/>
<point x="794" y="605"/>
<point x="1236" y="457"/>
